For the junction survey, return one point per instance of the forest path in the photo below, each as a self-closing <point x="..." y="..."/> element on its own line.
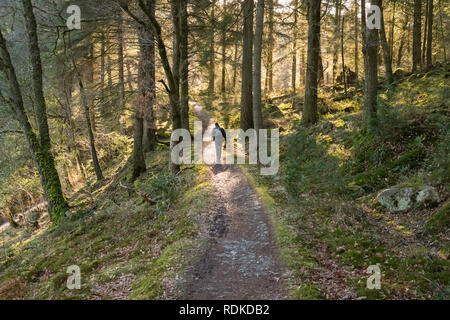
<point x="241" y="260"/>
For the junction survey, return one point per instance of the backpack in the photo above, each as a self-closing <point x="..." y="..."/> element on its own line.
<point x="224" y="134"/>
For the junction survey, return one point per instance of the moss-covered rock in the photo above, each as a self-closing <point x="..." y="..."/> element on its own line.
<point x="404" y="199"/>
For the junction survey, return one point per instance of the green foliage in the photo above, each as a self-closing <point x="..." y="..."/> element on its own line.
<point x="440" y="220"/>
<point x="309" y="168"/>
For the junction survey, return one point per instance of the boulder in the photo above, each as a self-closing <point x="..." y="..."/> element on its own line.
<point x="398" y="199"/>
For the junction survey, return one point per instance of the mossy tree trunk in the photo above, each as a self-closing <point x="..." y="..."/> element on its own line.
<point x="41" y="153"/>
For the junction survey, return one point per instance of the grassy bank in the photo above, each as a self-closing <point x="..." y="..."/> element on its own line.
<point x="124" y="246"/>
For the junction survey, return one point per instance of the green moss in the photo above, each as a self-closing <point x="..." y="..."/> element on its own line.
<point x="307" y="292"/>
<point x="440" y="220"/>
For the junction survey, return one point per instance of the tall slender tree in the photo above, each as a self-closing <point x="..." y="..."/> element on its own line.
<point x="416" y="35"/>
<point x="212" y="54"/>
<point x="294" y="53"/>
<point x="259" y="23"/>
<point x="270" y="45"/>
<point x="370" y="52"/>
<point x="147" y="86"/>
<point x="310" y="115"/>
<point x="184" y="64"/>
<point x="385" y="47"/>
<point x="120" y="50"/>
<point x="247" y="62"/>
<point x="430" y="33"/>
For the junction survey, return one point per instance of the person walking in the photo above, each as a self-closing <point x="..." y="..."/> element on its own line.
<point x="219" y="135"/>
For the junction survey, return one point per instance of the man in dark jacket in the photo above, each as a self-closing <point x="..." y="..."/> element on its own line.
<point x="219" y="135"/>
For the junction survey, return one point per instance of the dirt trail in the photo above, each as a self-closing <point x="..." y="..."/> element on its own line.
<point x="241" y="261"/>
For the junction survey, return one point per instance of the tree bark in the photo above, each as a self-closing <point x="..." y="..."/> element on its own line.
<point x="257" y="113"/>
<point x="425" y="33"/>
<point x="147" y="90"/>
<point x="294" y="55"/>
<point x="84" y="104"/>
<point x="224" y="47"/>
<point x="144" y="97"/>
<point x="386" y="50"/>
<point x="310" y="107"/>
<point x="342" y="56"/>
<point x="370" y="48"/>
<point x="247" y="62"/>
<point x="430" y="34"/>
<point x="356" y="53"/>
<point x="212" y="75"/>
<point x="337" y="22"/>
<point x="121" y="71"/>
<point x="184" y="65"/>
<point x="416" y="35"/>
<point x="270" y="44"/>
<point x="235" y="67"/>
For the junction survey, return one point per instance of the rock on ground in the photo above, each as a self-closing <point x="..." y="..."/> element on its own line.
<point x="398" y="199"/>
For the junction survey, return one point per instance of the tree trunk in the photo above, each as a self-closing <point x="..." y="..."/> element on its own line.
<point x="386" y="50"/>
<point x="356" y="53"/>
<point x="212" y="76"/>
<point x="402" y="43"/>
<point x="416" y="35"/>
<point x="270" y="44"/>
<point x="391" y="37"/>
<point x="235" y="66"/>
<point x="84" y="104"/>
<point x="444" y="44"/>
<point x="430" y="34"/>
<point x="90" y="83"/>
<point x="41" y="155"/>
<point x="342" y="57"/>
<point x="145" y="103"/>
<point x="173" y="87"/>
<point x="337" y="22"/>
<point x="302" y="68"/>
<point x="370" y="52"/>
<point x="247" y="62"/>
<point x="294" y="55"/>
<point x="224" y="48"/>
<point x="259" y="23"/>
<point x="102" y="72"/>
<point x="67" y="89"/>
<point x="121" y="72"/>
<point x="425" y="33"/>
<point x="310" y="107"/>
<point x="147" y="90"/>
<point x="184" y="65"/>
